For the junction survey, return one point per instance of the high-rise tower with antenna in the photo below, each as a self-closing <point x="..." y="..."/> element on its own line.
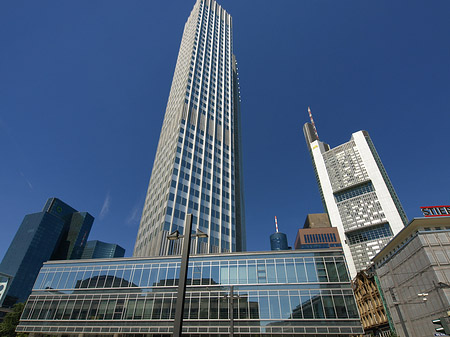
<point x="278" y="240"/>
<point x="357" y="194"/>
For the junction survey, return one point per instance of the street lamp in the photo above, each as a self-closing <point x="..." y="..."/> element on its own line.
<point x="178" y="322"/>
<point x="231" y="298"/>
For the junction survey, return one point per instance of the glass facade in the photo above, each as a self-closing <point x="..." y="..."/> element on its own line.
<point x="59" y="231"/>
<point x="354" y="191"/>
<point x="101" y="250"/>
<point x="371" y="233"/>
<point x="293" y="292"/>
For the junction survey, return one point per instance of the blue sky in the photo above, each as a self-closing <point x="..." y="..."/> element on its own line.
<point x="84" y="85"/>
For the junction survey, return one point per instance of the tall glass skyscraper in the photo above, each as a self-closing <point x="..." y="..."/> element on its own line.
<point x="357" y="194"/>
<point x="197" y="166"/>
<point x="59" y="232"/>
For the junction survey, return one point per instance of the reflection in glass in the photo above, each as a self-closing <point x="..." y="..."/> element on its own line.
<point x="271" y="275"/>
<point x="291" y="274"/>
<point x="351" y="306"/>
<point x="281" y="272"/>
<point x="153" y="278"/>
<point x="264" y="307"/>
<point x="332" y="272"/>
<point x="274" y="305"/>
<point x="214" y="306"/>
<point x="162" y="275"/>
<point x="215" y="274"/>
<point x="261" y="272"/>
<point x="233" y="274"/>
<point x="311" y="270"/>
<point x="157" y="304"/>
<point x="130" y="309"/>
<point x="342" y="271"/>
<point x="139" y="308"/>
<point x="306" y="305"/>
<point x="285" y="305"/>
<point x="204" y="306"/>
<point x="148" y="308"/>
<point x="329" y="307"/>
<point x="301" y="271"/>
<point x="242" y="274"/>
<point x="317" y="305"/>
<point x="194" y="307"/>
<point x="224" y="274"/>
<point x="252" y="277"/>
<point x="340" y="306"/>
<point x="137" y="277"/>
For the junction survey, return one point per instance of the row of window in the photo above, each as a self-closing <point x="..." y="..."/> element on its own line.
<point x="299" y="270"/>
<point x="273" y="304"/>
<point x="354" y="191"/>
<point x="320" y="237"/>
<point x="371" y="233"/>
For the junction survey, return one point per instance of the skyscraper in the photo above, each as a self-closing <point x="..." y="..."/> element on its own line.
<point x="101" y="250"/>
<point x="197" y="167"/>
<point x="59" y="232"/>
<point x="357" y="194"/>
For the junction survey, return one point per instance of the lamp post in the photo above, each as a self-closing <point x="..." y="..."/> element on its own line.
<point x="179" y="308"/>
<point x="231" y="298"/>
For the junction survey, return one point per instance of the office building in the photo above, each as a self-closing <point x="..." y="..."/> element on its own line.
<point x="317" y="238"/>
<point x="317" y="233"/>
<point x="294" y="293"/>
<point x="357" y="195"/>
<point x="414" y="274"/>
<point x="197" y="167"/>
<point x="101" y="250"/>
<point x="58" y="232"/>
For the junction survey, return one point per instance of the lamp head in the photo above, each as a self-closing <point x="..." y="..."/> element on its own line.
<point x="201" y="234"/>
<point x="174" y="235"/>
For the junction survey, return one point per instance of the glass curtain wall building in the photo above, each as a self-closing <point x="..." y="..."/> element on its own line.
<point x="59" y="232"/>
<point x="285" y="292"/>
<point x="357" y="194"/>
<point x="101" y="250"/>
<point x="197" y="167"/>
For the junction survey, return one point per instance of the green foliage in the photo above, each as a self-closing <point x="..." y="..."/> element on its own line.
<point x="8" y="326"/>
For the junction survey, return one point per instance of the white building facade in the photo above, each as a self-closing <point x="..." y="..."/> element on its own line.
<point x="197" y="167"/>
<point x="357" y="195"/>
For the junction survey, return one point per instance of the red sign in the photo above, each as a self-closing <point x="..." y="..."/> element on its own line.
<point x="435" y="211"/>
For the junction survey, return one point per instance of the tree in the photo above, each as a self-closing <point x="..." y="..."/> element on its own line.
<point x="8" y="326"/>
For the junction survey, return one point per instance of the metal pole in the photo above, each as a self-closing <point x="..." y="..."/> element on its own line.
<point x="402" y="322"/>
<point x="231" y="309"/>
<point x="179" y="309"/>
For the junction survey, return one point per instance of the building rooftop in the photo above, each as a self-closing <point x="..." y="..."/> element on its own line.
<point x="407" y="233"/>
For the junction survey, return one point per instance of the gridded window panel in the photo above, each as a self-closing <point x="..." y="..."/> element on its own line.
<point x="354" y="191"/>
<point x="371" y="233"/>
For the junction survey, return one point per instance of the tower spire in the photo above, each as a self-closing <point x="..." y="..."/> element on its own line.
<point x="312" y="122"/>
<point x="276" y="224"/>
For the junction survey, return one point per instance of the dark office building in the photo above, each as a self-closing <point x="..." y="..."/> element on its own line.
<point x="101" y="250"/>
<point x="59" y="232"/>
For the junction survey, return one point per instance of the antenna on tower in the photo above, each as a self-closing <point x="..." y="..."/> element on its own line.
<point x="312" y="122"/>
<point x="276" y="224"/>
